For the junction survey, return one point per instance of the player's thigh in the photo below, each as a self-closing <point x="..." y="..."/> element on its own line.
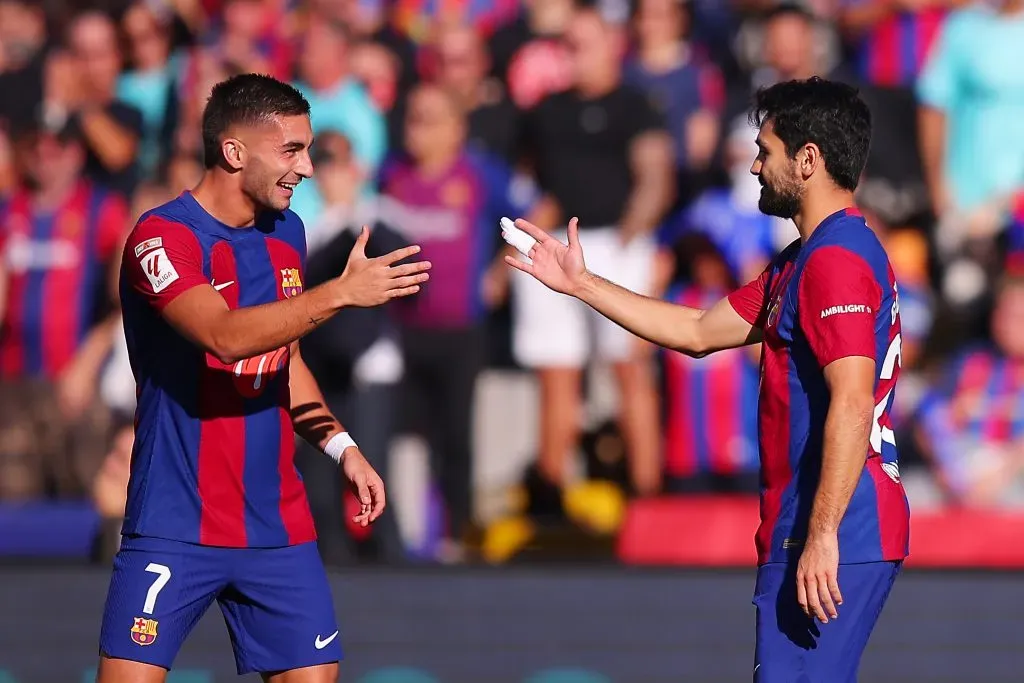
<point x="548" y="329"/>
<point x="158" y="591"/>
<point x="630" y="266"/>
<point x="793" y="648"/>
<point x="280" y="612"/>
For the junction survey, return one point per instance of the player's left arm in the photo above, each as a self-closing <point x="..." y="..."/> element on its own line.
<point x="839" y="299"/>
<point x="317" y="425"/>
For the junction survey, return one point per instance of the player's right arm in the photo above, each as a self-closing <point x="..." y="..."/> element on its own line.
<point x="164" y="263"/>
<point x="730" y="323"/>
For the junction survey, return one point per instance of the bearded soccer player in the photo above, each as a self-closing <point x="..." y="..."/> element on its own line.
<point x="834" y="516"/>
<point x="211" y="292"/>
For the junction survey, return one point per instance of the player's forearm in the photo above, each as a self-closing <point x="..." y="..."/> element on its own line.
<point x="660" y="322"/>
<point x="847" y="430"/>
<point x="251" y="331"/>
<point x="312" y="420"/>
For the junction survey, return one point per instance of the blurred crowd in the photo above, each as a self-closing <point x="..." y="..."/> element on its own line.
<point x="435" y="118"/>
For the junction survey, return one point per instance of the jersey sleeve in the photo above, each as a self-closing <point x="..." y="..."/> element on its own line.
<point x="162" y="260"/>
<point x="838" y="298"/>
<point x="749" y="300"/>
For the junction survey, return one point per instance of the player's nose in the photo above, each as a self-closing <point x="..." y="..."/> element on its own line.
<point x="755" y="168"/>
<point x="304" y="167"/>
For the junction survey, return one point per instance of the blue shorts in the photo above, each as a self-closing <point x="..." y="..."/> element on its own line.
<point x="276" y="602"/>
<point x="793" y="648"/>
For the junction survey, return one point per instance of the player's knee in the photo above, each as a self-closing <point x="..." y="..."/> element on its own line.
<point x="113" y="670"/>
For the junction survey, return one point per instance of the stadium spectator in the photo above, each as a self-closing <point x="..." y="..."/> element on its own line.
<point x="971" y="111"/>
<point x="684" y="86"/>
<point x="338" y="102"/>
<point x="250" y="36"/>
<point x="23" y="39"/>
<point x="449" y="200"/>
<point x="81" y="84"/>
<point x="355" y="354"/>
<point x="710" y="403"/>
<point x="151" y="84"/>
<point x="601" y="153"/>
<point x="60" y="234"/>
<point x="461" y="66"/>
<point x="971" y="424"/>
<point x="529" y="56"/>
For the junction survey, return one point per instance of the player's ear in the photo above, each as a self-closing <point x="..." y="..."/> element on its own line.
<point x="234" y="153"/>
<point x="808" y="159"/>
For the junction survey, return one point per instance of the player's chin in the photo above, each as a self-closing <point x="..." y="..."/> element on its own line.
<point x="281" y="198"/>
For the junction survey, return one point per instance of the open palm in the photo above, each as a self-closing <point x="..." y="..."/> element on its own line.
<point x="559" y="266"/>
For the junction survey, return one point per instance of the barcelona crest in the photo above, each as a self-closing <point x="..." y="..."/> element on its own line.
<point x="291" y="284"/>
<point x="144" y="631"/>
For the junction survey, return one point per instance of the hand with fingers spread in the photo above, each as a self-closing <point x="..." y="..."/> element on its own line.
<point x="367" y="486"/>
<point x="559" y="266"/>
<point x="373" y="281"/>
<point x="817" y="582"/>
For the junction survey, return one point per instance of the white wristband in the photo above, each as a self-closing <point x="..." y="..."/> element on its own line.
<point x="335" y="448"/>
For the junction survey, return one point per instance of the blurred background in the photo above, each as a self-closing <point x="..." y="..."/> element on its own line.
<point x="538" y="461"/>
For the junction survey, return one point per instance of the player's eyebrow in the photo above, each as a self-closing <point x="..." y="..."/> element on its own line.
<point x="292" y="146"/>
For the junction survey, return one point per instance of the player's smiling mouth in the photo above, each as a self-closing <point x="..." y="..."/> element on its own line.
<point x="290" y="187"/>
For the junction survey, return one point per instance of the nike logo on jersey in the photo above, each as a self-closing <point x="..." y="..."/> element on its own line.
<point x="223" y="285"/>
<point x="321" y="644"/>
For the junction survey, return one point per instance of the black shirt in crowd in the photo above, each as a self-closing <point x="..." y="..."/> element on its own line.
<point x="580" y="150"/>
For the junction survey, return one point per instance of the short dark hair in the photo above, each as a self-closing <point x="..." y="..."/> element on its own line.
<point x="246" y="100"/>
<point x="832" y="115"/>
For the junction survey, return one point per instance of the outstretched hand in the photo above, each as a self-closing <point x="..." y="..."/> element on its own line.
<point x="367" y="486"/>
<point x="557" y="265"/>
<point x="374" y="281"/>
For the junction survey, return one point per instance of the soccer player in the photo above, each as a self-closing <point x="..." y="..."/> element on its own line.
<point x="211" y="291"/>
<point x="834" y="515"/>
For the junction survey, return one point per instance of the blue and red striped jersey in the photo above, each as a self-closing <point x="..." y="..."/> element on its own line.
<point x="214" y="443"/>
<point x="978" y="404"/>
<point x="892" y="53"/>
<point x="833" y="297"/>
<point x="710" y="405"/>
<point x="57" y="263"/>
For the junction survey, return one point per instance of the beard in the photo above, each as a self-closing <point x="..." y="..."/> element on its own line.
<point x="781" y="198"/>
